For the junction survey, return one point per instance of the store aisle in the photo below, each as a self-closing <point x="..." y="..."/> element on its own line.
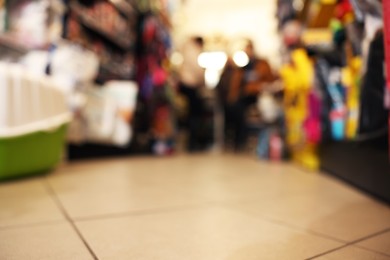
<point x="189" y="207"/>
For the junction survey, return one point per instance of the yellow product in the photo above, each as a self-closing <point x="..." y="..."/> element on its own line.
<point x="328" y="2"/>
<point x="307" y="157"/>
<point x="298" y="79"/>
<point x="350" y="79"/>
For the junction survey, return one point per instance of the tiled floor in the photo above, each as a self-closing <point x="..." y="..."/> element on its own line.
<point x="189" y="207"/>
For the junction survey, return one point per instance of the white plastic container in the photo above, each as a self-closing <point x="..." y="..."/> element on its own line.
<point x="33" y="120"/>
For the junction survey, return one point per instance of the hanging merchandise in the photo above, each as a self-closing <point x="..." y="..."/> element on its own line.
<point x="302" y="109"/>
<point x="156" y="92"/>
<point x="386" y="17"/>
<point x="386" y="11"/>
<point x="338" y="110"/>
<point x="351" y="79"/>
<point x="373" y="115"/>
<point x="349" y="84"/>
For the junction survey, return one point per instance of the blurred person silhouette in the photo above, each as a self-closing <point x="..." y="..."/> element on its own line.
<point x="222" y="91"/>
<point x="245" y="85"/>
<point x="191" y="81"/>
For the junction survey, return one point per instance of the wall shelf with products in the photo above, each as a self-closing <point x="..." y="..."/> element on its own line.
<point x="121" y="39"/>
<point x="146" y="46"/>
<point x="108" y="28"/>
<point x="21" y="29"/>
<point x="125" y="7"/>
<point x="343" y="43"/>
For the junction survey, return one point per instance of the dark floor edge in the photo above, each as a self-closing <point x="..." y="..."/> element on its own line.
<point x="353" y="243"/>
<point x="367" y="192"/>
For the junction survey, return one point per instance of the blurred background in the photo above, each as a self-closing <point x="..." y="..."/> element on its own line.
<point x="300" y="82"/>
<point x="163" y="77"/>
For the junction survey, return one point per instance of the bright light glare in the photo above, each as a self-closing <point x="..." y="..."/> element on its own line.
<point x="240" y="58"/>
<point x="212" y="77"/>
<point x="212" y="60"/>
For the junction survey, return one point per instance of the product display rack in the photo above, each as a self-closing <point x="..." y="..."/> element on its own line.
<point x="108" y="28"/>
<point x="361" y="160"/>
<point x="154" y="55"/>
<point x="93" y="25"/>
<point x="11" y="47"/>
<point x="115" y="50"/>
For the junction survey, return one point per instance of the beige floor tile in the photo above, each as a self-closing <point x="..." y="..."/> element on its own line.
<point x="19" y="188"/>
<point x="27" y="202"/>
<point x="126" y="187"/>
<point x="134" y="184"/>
<point x="337" y="214"/>
<point x="207" y="233"/>
<point x="380" y="243"/>
<point x="150" y="183"/>
<point x="354" y="253"/>
<point x="54" y="241"/>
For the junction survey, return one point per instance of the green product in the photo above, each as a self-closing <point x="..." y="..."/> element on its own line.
<point x="32" y="153"/>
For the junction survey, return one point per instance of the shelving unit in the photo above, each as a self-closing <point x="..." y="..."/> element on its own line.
<point x="99" y="32"/>
<point x="155" y="118"/>
<point x="124" y="7"/>
<point x="94" y="25"/>
<point x="11" y="44"/>
<point x="333" y="35"/>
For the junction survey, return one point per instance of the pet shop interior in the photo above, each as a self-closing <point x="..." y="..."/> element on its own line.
<point x="194" y="129"/>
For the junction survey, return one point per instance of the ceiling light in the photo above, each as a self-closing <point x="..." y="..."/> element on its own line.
<point x="240" y="58"/>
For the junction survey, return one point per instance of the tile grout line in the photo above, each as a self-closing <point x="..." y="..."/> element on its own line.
<point x="371" y="236"/>
<point x="68" y="218"/>
<point x="328" y="252"/>
<point x="154" y="211"/>
<point x="353" y="243"/>
<point x="372" y="250"/>
<point x="161" y="210"/>
<point x="309" y="231"/>
<point x="305" y="230"/>
<point x="295" y="227"/>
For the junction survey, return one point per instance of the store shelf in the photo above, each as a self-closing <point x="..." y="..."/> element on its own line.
<point x="114" y="69"/>
<point x="124" y="7"/>
<point x="95" y="26"/>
